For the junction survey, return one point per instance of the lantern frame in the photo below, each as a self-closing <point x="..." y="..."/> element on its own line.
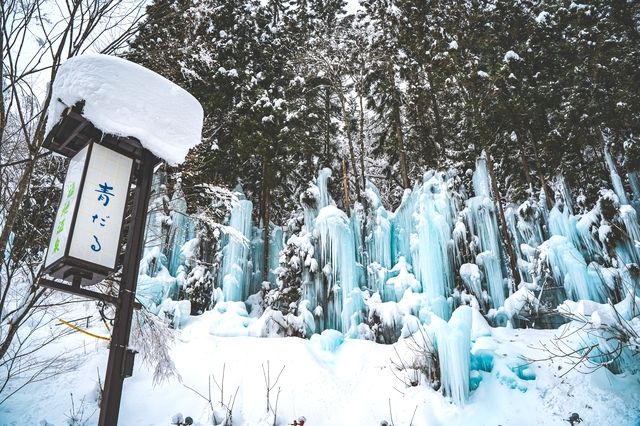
<point x="69" y="136"/>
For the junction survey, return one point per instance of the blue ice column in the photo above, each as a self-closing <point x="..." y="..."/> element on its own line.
<point x="628" y="250"/>
<point x="235" y="254"/>
<point x="324" y="199"/>
<point x="568" y="267"/>
<point x="618" y="187"/>
<point x="181" y="229"/>
<point x="256" y="260"/>
<point x="378" y="241"/>
<point x="453" y="341"/>
<point x="483" y="223"/>
<point x="155" y="234"/>
<point x="379" y="232"/>
<point x="276" y="244"/>
<point x="337" y="257"/>
<point x="403" y="225"/>
<point x="561" y="222"/>
<point x="431" y="260"/>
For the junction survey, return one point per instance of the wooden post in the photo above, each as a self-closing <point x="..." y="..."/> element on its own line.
<point x="120" y="362"/>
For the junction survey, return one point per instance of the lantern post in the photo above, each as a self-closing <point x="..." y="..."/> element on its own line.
<point x="89" y="224"/>
<point x="120" y="364"/>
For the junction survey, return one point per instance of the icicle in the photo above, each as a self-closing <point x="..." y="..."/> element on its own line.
<point x="616" y="181"/>
<point x="403" y="226"/>
<point x="484" y="225"/>
<point x="629" y="249"/>
<point x="569" y="268"/>
<point x="235" y="254"/>
<point x="181" y="229"/>
<point x="337" y="253"/>
<point x="401" y="280"/>
<point x="562" y="223"/>
<point x="470" y="274"/>
<point x="276" y="244"/>
<point x="454" y="348"/>
<point x="256" y="260"/>
<point x="324" y="199"/>
<point x="431" y="260"/>
<point x="564" y="192"/>
<point x="481" y="186"/>
<point x="460" y="243"/>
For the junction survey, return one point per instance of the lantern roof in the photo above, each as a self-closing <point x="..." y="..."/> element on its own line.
<point x="125" y="101"/>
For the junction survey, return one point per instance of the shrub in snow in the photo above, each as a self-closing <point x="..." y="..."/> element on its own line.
<point x="199" y="288"/>
<point x="288" y="280"/>
<point x="600" y="335"/>
<point x="302" y="324"/>
<point x="416" y="360"/>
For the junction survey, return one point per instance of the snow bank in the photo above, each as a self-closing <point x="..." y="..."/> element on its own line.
<point x="126" y="99"/>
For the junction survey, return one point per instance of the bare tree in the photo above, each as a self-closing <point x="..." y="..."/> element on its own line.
<point x="590" y="342"/>
<point x="37" y="36"/>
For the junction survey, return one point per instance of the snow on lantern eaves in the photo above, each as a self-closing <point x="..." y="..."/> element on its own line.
<point x="125" y="99"/>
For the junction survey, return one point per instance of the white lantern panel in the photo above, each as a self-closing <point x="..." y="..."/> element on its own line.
<point x="100" y="214"/>
<point x="64" y="217"/>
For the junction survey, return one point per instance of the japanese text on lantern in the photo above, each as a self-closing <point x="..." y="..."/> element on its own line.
<point x="64" y="217"/>
<point x="96" y="232"/>
<point x="100" y="219"/>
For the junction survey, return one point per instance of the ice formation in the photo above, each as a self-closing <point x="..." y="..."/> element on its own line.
<point x="235" y="274"/>
<point x="436" y="263"/>
<point x="126" y="99"/>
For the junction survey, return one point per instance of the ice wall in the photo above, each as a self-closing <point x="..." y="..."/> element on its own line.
<point x="441" y="248"/>
<point x="431" y="259"/>
<point x="338" y="262"/>
<point x="453" y="340"/>
<point x="235" y="275"/>
<point x="180" y="231"/>
<point x="482" y="219"/>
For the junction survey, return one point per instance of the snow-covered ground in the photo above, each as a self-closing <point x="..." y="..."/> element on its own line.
<point x="353" y="385"/>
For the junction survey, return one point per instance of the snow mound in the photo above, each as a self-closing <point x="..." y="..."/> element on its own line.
<point x="126" y="99"/>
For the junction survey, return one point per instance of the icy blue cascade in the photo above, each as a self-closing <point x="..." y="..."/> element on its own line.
<point x="453" y="341"/>
<point x="483" y="223"/>
<point x="378" y="241"/>
<point x="337" y="257"/>
<point x="431" y="259"/>
<point x="235" y="275"/>
<point x="180" y="231"/>
<point x="156" y="232"/>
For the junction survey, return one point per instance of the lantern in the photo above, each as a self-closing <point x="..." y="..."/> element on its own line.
<point x="86" y="235"/>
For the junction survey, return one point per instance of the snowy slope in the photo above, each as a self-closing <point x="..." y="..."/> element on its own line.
<point x="352" y="386"/>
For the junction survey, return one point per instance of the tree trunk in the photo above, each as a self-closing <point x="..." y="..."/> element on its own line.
<point x="327" y="122"/>
<point x="347" y="125"/>
<point x="345" y="187"/>
<point x="543" y="182"/>
<point x="525" y="164"/>
<point x="365" y="204"/>
<point x="436" y="114"/>
<point x="397" y="127"/>
<point x="265" y="218"/>
<point x="14" y="209"/>
<point x="504" y="231"/>
<point x="361" y="143"/>
<point x="12" y="327"/>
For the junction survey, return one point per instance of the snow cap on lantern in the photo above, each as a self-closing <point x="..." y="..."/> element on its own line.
<point x="124" y="99"/>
